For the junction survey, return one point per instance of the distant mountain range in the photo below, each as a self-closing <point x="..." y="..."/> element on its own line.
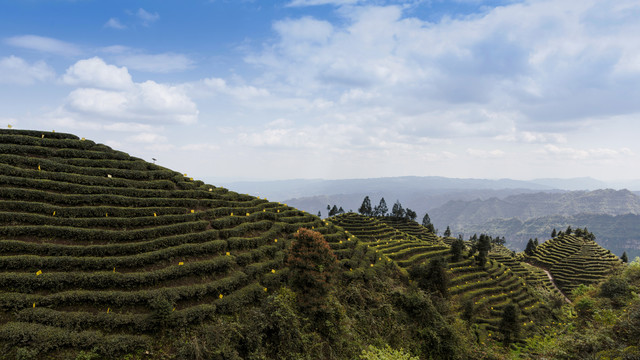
<point x="515" y="209"/>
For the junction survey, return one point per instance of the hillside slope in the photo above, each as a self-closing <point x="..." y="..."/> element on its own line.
<point x="100" y="249"/>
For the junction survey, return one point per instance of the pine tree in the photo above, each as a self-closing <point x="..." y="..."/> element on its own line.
<point x="509" y="324"/>
<point x="535" y="242"/>
<point x="365" y="208"/>
<point x="397" y="210"/>
<point x="447" y="233"/>
<point x="426" y="222"/>
<point x="319" y="214"/>
<point x="411" y="215"/>
<point x="381" y="209"/>
<point x="554" y="233"/>
<point x="529" y="250"/>
<point x="456" y="249"/>
<point x="333" y="211"/>
<point x="340" y="211"/>
<point x="568" y="231"/>
<point x="484" y="245"/>
<point x="624" y="257"/>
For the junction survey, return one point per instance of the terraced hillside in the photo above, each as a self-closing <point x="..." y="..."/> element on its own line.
<point x="573" y="260"/>
<point x="99" y="249"/>
<point x="489" y="288"/>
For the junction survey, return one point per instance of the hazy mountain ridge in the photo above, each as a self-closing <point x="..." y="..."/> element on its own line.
<point x="462" y="214"/>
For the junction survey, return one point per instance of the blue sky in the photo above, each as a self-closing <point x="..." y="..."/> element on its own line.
<point x="334" y="88"/>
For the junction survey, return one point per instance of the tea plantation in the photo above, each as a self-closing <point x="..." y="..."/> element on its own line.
<point x="107" y="256"/>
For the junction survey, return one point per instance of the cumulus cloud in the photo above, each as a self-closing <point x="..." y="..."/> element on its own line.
<point x="15" y="70"/>
<point x="109" y="93"/>
<point x="295" y="3"/>
<point x="486" y="154"/>
<point x="44" y="44"/>
<point x="95" y="72"/>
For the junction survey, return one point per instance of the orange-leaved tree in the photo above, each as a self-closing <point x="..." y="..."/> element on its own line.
<point x="312" y="267"/>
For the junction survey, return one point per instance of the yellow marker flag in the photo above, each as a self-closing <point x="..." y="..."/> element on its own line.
<point x="43" y="136"/>
<point x="273" y="271"/>
<point x="191" y="179"/>
<point x="39" y="272"/>
<point x="220" y="296"/>
<point x="210" y="189"/>
<point x="192" y="211"/>
<point x="38" y="167"/>
<point x="185" y="174"/>
<point x="275" y="240"/>
<point x="174" y="309"/>
<point x="114" y="269"/>
<point x="247" y="214"/>
<point x="54" y="213"/>
<point x="264" y="210"/>
<point x="154" y="214"/>
<point x="228" y="253"/>
<point x="83" y="139"/>
<point x="265" y="289"/>
<point x="109" y="176"/>
<point x="53" y="131"/>
<point x="34" y="305"/>
<point x="9" y="126"/>
<point x="278" y="210"/>
<point x="231" y="214"/>
<point x="106" y="214"/>
<point x="180" y="263"/>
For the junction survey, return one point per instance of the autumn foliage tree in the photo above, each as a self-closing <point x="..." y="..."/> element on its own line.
<point x="312" y="267"/>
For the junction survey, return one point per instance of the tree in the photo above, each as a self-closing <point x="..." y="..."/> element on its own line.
<point x="426" y="222"/>
<point x="554" y="233"/>
<point x="624" y="257"/>
<point x="531" y="247"/>
<point x="411" y="215"/>
<point x="568" y="231"/>
<point x="381" y="209"/>
<point x="431" y="277"/>
<point x="447" y="233"/>
<point x="535" y="242"/>
<point x="312" y="267"/>
<point x="365" y="209"/>
<point x="340" y="211"/>
<point x="484" y="245"/>
<point x="456" y="249"/>
<point x="509" y="324"/>
<point x="397" y="210"/>
<point x="333" y="211"/>
<point x="319" y="214"/>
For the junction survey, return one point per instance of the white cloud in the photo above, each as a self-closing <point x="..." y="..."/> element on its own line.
<point x="109" y="93"/>
<point x="157" y="63"/>
<point x="44" y="44"/>
<point x="200" y="147"/>
<point x="147" y="17"/>
<point x="242" y="92"/>
<point x="95" y="72"/>
<point x="114" y="23"/>
<point x="15" y="70"/>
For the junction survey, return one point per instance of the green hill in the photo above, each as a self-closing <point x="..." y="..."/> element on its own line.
<point x="574" y="260"/>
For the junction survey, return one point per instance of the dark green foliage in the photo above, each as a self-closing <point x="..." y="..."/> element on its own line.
<point x="484" y="245"/>
<point x="467" y="310"/>
<point x="431" y="277"/>
<point x="365" y="209"/>
<point x="531" y="247"/>
<point x="397" y="211"/>
<point x="457" y="247"/>
<point x="447" y="233"/>
<point x="615" y="287"/>
<point x="426" y="222"/>
<point x="554" y="233"/>
<point x="381" y="209"/>
<point x="312" y="267"/>
<point x="510" y="324"/>
<point x="411" y="215"/>
<point x="624" y="257"/>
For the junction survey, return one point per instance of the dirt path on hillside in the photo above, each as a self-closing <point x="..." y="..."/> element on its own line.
<point x="554" y="284"/>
